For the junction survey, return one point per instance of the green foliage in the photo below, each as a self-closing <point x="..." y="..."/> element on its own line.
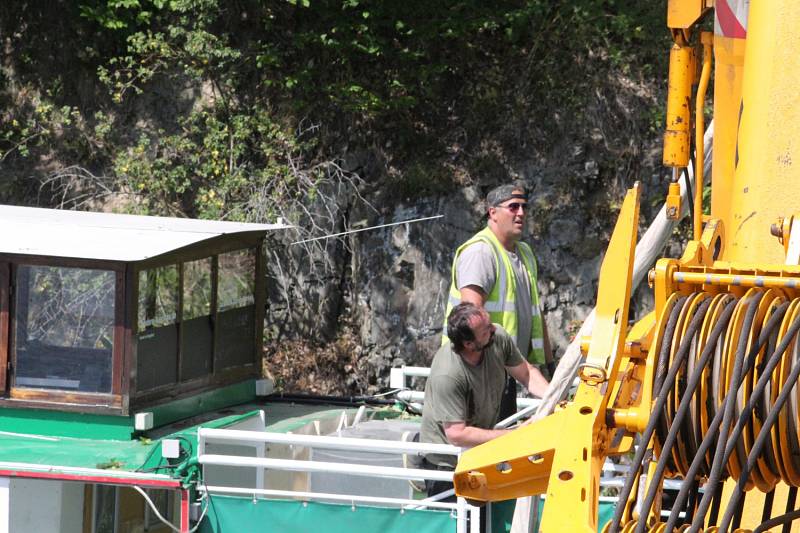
<point x="210" y="164"/>
<point x="233" y="83"/>
<point x="120" y="14"/>
<point x="707" y="200"/>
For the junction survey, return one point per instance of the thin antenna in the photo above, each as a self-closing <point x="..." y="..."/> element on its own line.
<point x="369" y="228"/>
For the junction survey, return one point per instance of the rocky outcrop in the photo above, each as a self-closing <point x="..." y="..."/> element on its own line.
<point x="390" y="284"/>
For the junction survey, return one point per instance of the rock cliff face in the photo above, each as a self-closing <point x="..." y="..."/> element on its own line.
<point x="388" y="286"/>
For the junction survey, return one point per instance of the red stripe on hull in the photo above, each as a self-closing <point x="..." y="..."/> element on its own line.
<point x="108" y="480"/>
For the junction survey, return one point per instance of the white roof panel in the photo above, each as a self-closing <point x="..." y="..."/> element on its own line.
<point x="109" y="236"/>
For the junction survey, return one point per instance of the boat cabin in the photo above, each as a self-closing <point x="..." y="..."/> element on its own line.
<point x="113" y="314"/>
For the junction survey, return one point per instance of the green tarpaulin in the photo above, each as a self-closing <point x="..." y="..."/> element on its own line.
<point x="231" y="514"/>
<point x="228" y="514"/>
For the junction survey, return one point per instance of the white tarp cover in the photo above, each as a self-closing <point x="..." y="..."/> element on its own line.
<point x="107" y="236"/>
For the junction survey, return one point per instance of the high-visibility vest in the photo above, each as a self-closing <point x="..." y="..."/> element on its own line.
<point x="501" y="301"/>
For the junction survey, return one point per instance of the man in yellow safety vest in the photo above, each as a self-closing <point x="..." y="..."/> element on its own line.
<point x="497" y="271"/>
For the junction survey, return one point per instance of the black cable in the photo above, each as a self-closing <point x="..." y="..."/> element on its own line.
<point x="766" y="512"/>
<point x="785" y="519"/>
<point x="683" y="408"/>
<point x="700" y="457"/>
<point x="688" y="512"/>
<point x="698" y="460"/>
<point x="730" y="404"/>
<point x="791" y="497"/>
<point x="663" y="359"/>
<point x="715" y="503"/>
<point x="764" y="376"/>
<point x="678" y="361"/>
<point x="156" y="446"/>
<point x="737" y="517"/>
<point x="331" y="400"/>
<point x="657" y="410"/>
<point x="709" y="439"/>
<point x="766" y="428"/>
<point x="760" y="385"/>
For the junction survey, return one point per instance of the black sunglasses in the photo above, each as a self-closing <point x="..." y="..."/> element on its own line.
<point x="515" y="206"/>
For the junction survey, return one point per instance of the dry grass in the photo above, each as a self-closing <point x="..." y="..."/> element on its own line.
<point x="306" y="367"/>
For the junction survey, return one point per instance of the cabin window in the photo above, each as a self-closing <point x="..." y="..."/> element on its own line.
<point x="64" y="331"/>
<point x="197" y="319"/>
<point x="236" y="297"/>
<point x="157" y="363"/>
<point x="105" y="509"/>
<point x="164" y="502"/>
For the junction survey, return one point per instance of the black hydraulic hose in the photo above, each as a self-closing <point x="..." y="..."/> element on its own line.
<point x="329" y="400"/>
<point x="772" y="417"/>
<point x="730" y="404"/>
<point x="657" y="411"/>
<point x="680" y="356"/>
<point x="783" y="519"/>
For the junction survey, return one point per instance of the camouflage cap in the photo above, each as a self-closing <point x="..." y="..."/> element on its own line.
<point x="500" y="194"/>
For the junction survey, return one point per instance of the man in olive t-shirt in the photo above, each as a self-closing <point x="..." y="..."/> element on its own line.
<point x="467" y="379"/>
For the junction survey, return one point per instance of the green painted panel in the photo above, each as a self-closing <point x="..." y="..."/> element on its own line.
<point x="503" y="515"/>
<point x="605" y="513"/>
<point x="65" y="424"/>
<point x="228" y="514"/>
<point x="203" y="402"/>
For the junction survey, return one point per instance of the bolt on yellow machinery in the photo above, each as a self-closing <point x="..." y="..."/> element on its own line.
<point x="705" y="383"/>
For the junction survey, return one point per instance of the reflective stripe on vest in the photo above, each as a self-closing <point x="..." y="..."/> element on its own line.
<point x="501" y="301"/>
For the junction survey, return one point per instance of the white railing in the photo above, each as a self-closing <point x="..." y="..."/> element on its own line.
<point x="397" y="381"/>
<point x="419" y="397"/>
<point x="259" y="440"/>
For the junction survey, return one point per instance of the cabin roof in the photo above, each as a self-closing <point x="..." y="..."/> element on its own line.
<point x="107" y="236"/>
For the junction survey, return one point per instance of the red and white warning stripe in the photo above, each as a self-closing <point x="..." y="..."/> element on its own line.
<point x="730" y="18"/>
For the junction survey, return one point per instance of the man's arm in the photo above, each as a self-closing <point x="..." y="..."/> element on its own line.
<point x="530" y="377"/>
<point x="460" y="434"/>
<point x="474" y="295"/>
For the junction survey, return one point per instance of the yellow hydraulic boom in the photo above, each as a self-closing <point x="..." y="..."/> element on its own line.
<point x="706" y="382"/>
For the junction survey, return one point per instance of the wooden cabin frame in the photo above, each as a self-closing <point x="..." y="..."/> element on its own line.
<point x="151" y="361"/>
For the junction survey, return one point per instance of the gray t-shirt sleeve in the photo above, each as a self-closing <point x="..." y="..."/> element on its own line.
<point x="450" y="401"/>
<point x="476" y="266"/>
